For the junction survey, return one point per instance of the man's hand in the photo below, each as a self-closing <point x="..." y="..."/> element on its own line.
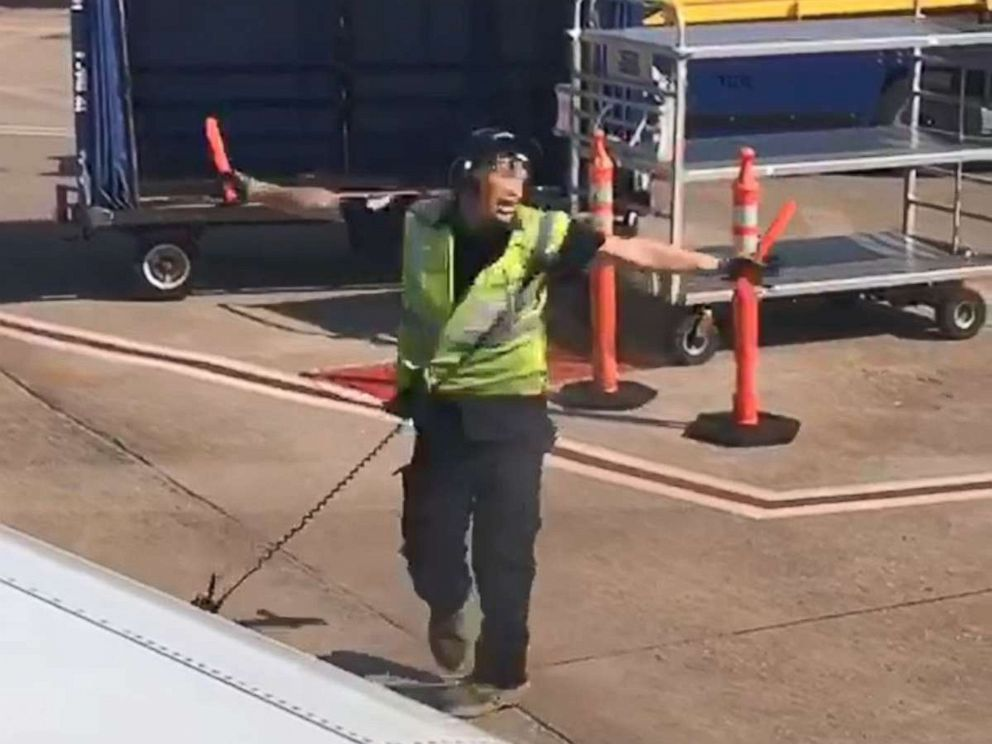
<point x="706" y="262"/>
<point x="734" y="267"/>
<point x="399" y="405"/>
<point x="241" y="184"/>
<point x="305" y="201"/>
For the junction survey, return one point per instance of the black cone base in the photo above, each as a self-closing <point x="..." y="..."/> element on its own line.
<point x="588" y="395"/>
<point x="720" y="428"/>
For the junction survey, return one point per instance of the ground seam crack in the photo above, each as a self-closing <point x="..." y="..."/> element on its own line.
<point x="547" y="726"/>
<point x="121" y="446"/>
<point x="744" y="632"/>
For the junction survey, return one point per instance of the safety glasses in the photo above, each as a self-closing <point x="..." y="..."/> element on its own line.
<point x="511" y="167"/>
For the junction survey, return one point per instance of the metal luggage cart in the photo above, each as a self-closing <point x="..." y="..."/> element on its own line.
<point x="633" y="84"/>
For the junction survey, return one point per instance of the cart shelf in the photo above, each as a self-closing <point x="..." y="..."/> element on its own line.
<point x="829" y="151"/>
<point x="804" y="153"/>
<point x="634" y="84"/>
<point x="850" y="263"/>
<point x="777" y="38"/>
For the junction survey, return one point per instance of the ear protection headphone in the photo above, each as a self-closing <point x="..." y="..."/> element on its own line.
<point x="482" y="148"/>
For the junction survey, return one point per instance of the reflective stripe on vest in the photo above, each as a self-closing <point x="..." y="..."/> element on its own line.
<point x="501" y="316"/>
<point x="500" y="320"/>
<point x="545" y="249"/>
<point x="492" y="324"/>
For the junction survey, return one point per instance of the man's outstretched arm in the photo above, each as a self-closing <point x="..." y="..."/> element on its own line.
<point x="584" y="244"/>
<point x="303" y="201"/>
<point x="656" y="255"/>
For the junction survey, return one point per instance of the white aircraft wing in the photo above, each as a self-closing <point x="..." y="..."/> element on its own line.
<point x="90" y="657"/>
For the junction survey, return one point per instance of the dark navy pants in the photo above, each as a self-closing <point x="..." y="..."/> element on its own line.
<point x="492" y="483"/>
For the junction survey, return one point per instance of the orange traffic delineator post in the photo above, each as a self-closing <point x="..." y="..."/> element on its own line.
<point x="747" y="197"/>
<point x="218" y="153"/>
<point x="605" y="391"/>
<point x="746" y="425"/>
<point x="603" y="283"/>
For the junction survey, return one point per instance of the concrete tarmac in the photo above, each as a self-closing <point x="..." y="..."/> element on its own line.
<point x="655" y="618"/>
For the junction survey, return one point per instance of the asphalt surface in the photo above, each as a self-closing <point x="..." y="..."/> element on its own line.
<point x="655" y="619"/>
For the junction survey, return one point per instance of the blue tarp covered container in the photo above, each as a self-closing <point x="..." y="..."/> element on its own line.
<point x="374" y="91"/>
<point x="378" y="92"/>
<point x="270" y="69"/>
<point x="762" y="95"/>
<point x="104" y="139"/>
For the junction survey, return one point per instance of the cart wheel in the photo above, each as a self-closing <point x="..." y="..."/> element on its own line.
<point x="694" y="341"/>
<point x="961" y="313"/>
<point x="165" y="268"/>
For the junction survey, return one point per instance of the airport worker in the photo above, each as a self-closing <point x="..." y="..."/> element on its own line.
<point x="472" y="375"/>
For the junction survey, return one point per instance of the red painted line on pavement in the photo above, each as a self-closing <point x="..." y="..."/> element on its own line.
<point x="603" y="464"/>
<point x="982" y="483"/>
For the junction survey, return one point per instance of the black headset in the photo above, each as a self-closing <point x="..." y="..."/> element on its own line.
<point x="484" y="146"/>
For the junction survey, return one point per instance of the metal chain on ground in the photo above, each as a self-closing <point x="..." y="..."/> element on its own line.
<point x="207" y="601"/>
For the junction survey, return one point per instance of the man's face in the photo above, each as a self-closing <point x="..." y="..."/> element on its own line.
<point x="502" y="189"/>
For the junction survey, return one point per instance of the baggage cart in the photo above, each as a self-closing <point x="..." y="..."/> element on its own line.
<point x="633" y="83"/>
<point x="369" y="97"/>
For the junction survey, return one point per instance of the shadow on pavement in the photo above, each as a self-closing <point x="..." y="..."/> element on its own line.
<point x="367" y="665"/>
<point x="415" y="684"/>
<point x="48" y="261"/>
<point x="266" y="619"/>
<point x="646" y="324"/>
<point x="372" y="317"/>
<point x="786" y="323"/>
<point x="622" y="418"/>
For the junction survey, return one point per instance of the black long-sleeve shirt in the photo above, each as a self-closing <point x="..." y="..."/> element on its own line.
<point x="475" y="250"/>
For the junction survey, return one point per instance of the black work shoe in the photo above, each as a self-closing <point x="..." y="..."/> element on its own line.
<point x="449" y="639"/>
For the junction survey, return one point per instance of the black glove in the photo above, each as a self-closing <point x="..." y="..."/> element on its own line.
<point x="239" y="182"/>
<point x="400" y="405"/>
<point x="406" y="402"/>
<point x="627" y="224"/>
<point x="734" y="267"/>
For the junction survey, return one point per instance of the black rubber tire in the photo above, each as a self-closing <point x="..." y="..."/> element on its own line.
<point x="960" y="313"/>
<point x="164" y="266"/>
<point x="692" y="344"/>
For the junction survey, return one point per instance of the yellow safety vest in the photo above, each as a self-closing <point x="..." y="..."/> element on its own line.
<point x="494" y="341"/>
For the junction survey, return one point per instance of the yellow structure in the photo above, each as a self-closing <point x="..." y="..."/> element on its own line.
<point x="714" y="11"/>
